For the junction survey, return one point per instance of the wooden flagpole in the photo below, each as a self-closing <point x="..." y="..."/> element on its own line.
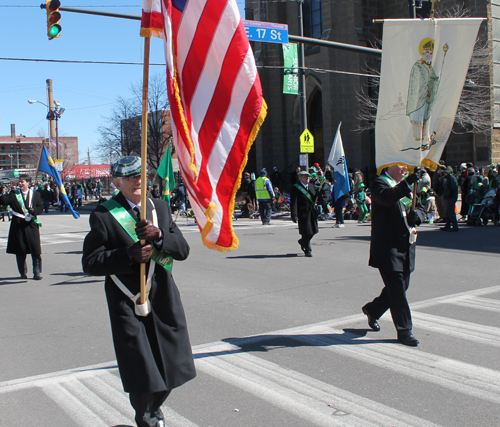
<point x="39" y="160"/>
<point x="144" y="149"/>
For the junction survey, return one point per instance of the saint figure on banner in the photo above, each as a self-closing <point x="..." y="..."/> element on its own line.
<point x="422" y="90"/>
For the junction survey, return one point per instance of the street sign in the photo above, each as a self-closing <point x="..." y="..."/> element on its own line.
<point x="266" y="32"/>
<point x="303" y="160"/>
<point x="306" y="142"/>
<point x="59" y="164"/>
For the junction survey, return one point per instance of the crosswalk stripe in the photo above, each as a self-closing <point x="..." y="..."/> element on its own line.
<point x="479" y="303"/>
<point x="319" y="403"/>
<point x="109" y="385"/>
<point x="458" y="376"/>
<point x="72" y="406"/>
<point x="482" y="334"/>
<point x="94" y="402"/>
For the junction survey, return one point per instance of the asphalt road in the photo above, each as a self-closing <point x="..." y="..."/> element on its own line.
<point x="279" y="339"/>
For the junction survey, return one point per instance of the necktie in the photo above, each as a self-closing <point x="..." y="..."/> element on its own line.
<point x="137" y="210"/>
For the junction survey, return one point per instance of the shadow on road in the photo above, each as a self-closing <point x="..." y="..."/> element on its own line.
<point x="263" y="256"/>
<point x="265" y="343"/>
<point x="12" y="281"/>
<point x="474" y="239"/>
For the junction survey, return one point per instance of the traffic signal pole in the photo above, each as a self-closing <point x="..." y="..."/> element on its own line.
<point x="291" y="38"/>
<point x="302" y="77"/>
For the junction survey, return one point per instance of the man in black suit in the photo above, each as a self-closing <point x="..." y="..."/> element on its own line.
<point x="392" y="248"/>
<point x="302" y="209"/>
<point x="151" y="340"/>
<point x="24" y="233"/>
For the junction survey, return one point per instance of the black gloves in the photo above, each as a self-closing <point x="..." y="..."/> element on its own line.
<point x="31" y="212"/>
<point x="147" y="231"/>
<point x="294" y="219"/>
<point x="412" y="179"/>
<point x="139" y="254"/>
<point x="413" y="219"/>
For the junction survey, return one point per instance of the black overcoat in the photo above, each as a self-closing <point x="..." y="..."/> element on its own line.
<point x="24" y="236"/>
<point x="153" y="352"/>
<point x="302" y="209"/>
<point x="390" y="247"/>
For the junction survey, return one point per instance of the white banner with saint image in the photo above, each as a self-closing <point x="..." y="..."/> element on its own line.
<point x="424" y="65"/>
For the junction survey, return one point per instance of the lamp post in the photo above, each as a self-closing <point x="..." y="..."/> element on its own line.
<point x="54" y="114"/>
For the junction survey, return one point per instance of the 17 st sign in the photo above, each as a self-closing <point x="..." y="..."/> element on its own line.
<point x="269" y="32"/>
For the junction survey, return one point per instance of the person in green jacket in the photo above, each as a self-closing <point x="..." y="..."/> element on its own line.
<point x="360" y="197"/>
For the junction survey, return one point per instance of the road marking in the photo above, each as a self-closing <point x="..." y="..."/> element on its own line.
<point x="92" y="396"/>
<point x="479" y="303"/>
<point x="482" y="334"/>
<point x="305" y="397"/>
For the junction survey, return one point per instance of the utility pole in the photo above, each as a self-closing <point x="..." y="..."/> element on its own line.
<point x="302" y="78"/>
<point x="50" y="103"/>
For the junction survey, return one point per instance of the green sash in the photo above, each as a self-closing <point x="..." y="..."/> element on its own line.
<point x="405" y="201"/>
<point x="128" y="222"/>
<point x="304" y="192"/>
<point x="20" y="200"/>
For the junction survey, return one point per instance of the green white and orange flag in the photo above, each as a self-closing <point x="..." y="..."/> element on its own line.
<point x="166" y="172"/>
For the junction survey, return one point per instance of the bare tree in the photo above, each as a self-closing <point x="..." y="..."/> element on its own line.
<point x="159" y="128"/>
<point x="475" y="100"/>
<point x="121" y="136"/>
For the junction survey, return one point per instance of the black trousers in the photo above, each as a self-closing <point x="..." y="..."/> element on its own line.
<point x="305" y="242"/>
<point x="23" y="268"/>
<point x="393" y="297"/>
<point x="147" y="407"/>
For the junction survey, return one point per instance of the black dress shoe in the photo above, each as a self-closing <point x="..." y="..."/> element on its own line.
<point x="408" y="340"/>
<point x="37" y="276"/>
<point x="308" y="254"/>
<point x="24" y="276"/>
<point x="372" y="322"/>
<point x="445" y="228"/>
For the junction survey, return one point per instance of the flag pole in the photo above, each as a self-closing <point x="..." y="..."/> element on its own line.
<point x="144" y="147"/>
<point x="39" y="160"/>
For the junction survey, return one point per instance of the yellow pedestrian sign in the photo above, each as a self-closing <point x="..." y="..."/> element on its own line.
<point x="306" y="142"/>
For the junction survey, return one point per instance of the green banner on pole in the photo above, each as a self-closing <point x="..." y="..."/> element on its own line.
<point x="291" y="61"/>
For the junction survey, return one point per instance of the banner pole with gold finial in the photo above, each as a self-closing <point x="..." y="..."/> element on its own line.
<point x="144" y="154"/>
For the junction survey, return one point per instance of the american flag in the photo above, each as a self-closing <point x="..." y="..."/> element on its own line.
<point x="216" y="105"/>
<point x="152" y="20"/>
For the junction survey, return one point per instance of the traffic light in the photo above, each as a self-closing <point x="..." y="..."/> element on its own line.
<point x="53" y="17"/>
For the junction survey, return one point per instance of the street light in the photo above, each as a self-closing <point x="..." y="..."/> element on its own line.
<point x="54" y="114"/>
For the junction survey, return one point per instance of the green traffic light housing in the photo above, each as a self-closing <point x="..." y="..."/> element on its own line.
<point x="53" y="17"/>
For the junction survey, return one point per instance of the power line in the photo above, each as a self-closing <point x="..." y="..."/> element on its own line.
<point x="66" y="61"/>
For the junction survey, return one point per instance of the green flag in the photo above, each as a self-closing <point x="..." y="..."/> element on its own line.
<point x="166" y="172"/>
<point x="291" y="62"/>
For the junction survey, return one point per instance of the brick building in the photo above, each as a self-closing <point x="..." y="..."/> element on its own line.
<point x="333" y="79"/>
<point x="20" y="152"/>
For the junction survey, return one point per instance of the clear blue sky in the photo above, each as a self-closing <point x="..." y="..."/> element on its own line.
<point x="86" y="91"/>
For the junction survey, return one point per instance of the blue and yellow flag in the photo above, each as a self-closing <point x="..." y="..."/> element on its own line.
<point x="47" y="165"/>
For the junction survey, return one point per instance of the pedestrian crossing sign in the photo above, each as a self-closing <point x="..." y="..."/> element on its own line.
<point x="306" y="142"/>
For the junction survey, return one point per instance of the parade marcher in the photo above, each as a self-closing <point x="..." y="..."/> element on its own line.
<point x="495" y="179"/>
<point x="276" y="179"/>
<point x="265" y="195"/>
<point x="47" y="197"/>
<point x="303" y="211"/>
<point x="4" y="210"/>
<point x="450" y="196"/>
<point x="360" y="197"/>
<point x="392" y="248"/>
<point x="152" y="345"/>
<point x="181" y="191"/>
<point x="294" y="178"/>
<point x="24" y="233"/>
